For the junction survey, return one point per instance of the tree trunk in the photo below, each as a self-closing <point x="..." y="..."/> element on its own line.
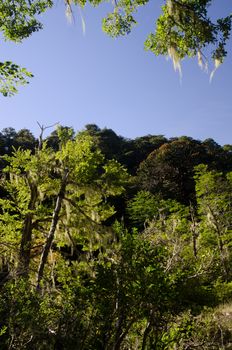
<point x="145" y="335"/>
<point x="25" y="245"/>
<point x="194" y="231"/>
<point x="55" y="219"/>
<point x="120" y="338"/>
<point x="220" y="244"/>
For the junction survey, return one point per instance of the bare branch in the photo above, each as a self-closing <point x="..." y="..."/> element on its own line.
<point x="42" y="129"/>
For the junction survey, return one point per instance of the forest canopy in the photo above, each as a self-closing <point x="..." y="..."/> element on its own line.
<point x="112" y="243"/>
<point x="183" y="29"/>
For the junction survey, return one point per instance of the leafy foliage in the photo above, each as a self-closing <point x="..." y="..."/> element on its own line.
<point x="11" y="76"/>
<point x="18" y="20"/>
<point x="73" y="277"/>
<point x="184" y="28"/>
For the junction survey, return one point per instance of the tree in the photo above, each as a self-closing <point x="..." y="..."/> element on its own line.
<point x="184" y="28"/>
<point x="8" y="136"/>
<point x="49" y="192"/>
<point x="107" y="140"/>
<point x="25" y="139"/>
<point x="169" y="170"/>
<point x="213" y="191"/>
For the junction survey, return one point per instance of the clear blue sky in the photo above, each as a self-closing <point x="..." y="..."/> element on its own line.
<point x="81" y="79"/>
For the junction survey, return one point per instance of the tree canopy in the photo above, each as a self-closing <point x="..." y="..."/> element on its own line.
<point x="183" y="29"/>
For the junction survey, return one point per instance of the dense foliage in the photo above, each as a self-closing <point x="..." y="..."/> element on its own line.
<point x="184" y="28"/>
<point x="110" y="243"/>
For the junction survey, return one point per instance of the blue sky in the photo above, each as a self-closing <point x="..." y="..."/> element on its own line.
<point x="81" y="79"/>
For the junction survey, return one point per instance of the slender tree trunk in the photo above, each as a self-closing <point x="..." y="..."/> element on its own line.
<point x="220" y="244"/>
<point x="145" y="335"/>
<point x="194" y="231"/>
<point x="55" y="219"/>
<point x="117" y="341"/>
<point x="120" y="338"/>
<point x="25" y="245"/>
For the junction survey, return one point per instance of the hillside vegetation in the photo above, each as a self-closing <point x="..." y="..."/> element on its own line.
<point x="109" y="243"/>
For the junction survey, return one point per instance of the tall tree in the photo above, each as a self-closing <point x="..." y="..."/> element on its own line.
<point x="55" y="193"/>
<point x="169" y="169"/>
